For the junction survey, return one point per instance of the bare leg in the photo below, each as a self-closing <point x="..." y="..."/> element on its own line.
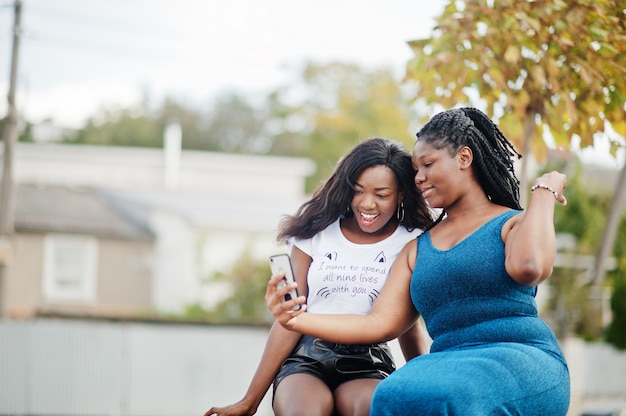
<point x="353" y="398"/>
<point x="303" y="394"/>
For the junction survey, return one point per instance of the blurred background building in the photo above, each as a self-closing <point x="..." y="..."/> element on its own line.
<point x="112" y="231"/>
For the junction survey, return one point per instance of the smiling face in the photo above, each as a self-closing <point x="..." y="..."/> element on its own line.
<point x="440" y="175"/>
<point x="376" y="198"/>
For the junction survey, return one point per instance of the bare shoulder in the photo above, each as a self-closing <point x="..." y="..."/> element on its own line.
<point x="408" y="255"/>
<point x="511" y="224"/>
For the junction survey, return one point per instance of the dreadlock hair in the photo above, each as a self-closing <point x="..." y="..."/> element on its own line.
<point x="332" y="199"/>
<point x="493" y="153"/>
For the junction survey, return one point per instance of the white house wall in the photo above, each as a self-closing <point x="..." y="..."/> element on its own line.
<point x="176" y="282"/>
<point x="199" y="237"/>
<point x="115" y="167"/>
<point x="217" y="207"/>
<point x="221" y="250"/>
<point x="220" y="174"/>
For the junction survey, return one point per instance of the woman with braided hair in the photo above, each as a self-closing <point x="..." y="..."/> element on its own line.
<point x="473" y="277"/>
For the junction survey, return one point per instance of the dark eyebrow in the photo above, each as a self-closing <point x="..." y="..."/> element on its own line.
<point x="377" y="189"/>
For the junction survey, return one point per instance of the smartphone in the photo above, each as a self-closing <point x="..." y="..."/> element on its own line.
<point x="281" y="263"/>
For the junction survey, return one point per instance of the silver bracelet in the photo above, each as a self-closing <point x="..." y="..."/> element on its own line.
<point x="547" y="188"/>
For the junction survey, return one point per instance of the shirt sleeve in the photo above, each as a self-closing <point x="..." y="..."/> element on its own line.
<point x="305" y="245"/>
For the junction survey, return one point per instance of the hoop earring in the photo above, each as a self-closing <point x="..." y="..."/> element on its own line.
<point x="400" y="212"/>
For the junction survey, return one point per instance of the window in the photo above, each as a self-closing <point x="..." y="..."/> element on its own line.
<point x="70" y="268"/>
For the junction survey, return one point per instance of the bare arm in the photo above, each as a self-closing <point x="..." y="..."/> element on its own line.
<point x="391" y="315"/>
<point x="530" y="240"/>
<point x="279" y="345"/>
<point x="414" y="342"/>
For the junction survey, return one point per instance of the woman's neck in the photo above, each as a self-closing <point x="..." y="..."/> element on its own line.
<point x="472" y="205"/>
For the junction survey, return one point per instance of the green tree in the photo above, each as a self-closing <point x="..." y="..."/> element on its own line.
<point x="247" y="303"/>
<point x="585" y="212"/>
<point x="547" y="67"/>
<point x="193" y="123"/>
<point x="24" y="132"/>
<point x="337" y="105"/>
<point x="230" y="124"/>
<point x="235" y="125"/>
<point x="124" y="129"/>
<point x="570" y="309"/>
<point x="321" y="116"/>
<point x="616" y="331"/>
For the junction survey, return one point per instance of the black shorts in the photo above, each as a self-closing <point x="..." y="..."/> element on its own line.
<point x="335" y="364"/>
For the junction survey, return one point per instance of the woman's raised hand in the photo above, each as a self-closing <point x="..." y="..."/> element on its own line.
<point x="554" y="182"/>
<point x="283" y="310"/>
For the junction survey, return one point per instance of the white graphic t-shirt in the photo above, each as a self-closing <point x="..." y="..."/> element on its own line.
<point x="345" y="277"/>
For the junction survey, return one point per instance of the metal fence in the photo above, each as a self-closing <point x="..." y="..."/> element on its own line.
<point x="85" y="367"/>
<point x="62" y="367"/>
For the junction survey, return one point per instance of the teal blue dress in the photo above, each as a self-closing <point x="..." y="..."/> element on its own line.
<point x="491" y="353"/>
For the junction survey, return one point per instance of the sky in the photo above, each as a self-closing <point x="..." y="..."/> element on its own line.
<point x="78" y="56"/>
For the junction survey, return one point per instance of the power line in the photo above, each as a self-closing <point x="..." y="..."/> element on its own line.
<point x="127" y="31"/>
<point x="86" y="20"/>
<point x="99" y="48"/>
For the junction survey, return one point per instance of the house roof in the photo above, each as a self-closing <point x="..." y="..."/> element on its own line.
<point x="208" y="211"/>
<point x="75" y="210"/>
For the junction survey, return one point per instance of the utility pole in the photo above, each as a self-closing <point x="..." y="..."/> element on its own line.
<point x="9" y="138"/>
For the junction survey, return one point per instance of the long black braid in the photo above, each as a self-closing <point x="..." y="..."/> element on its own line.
<point x="493" y="153"/>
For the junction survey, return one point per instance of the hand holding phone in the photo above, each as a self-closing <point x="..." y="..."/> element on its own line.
<point x="281" y="263"/>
